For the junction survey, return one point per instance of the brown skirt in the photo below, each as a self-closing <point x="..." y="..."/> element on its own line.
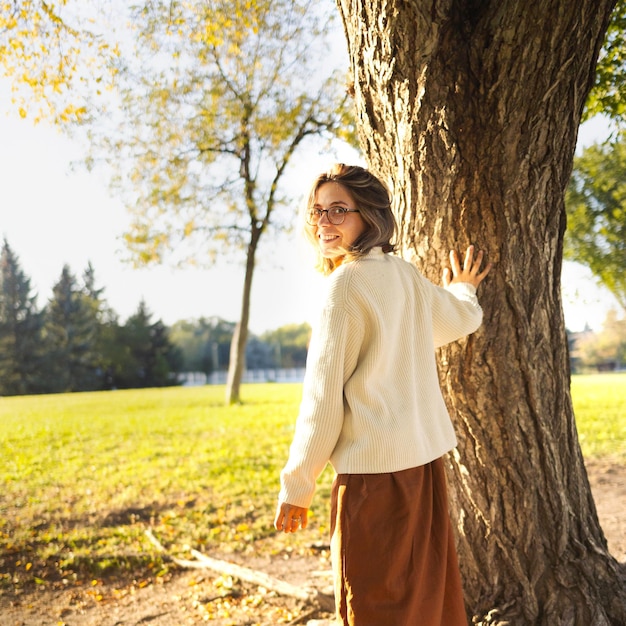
<point x="393" y="554"/>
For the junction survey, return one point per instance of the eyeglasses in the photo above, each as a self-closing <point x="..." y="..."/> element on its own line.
<point x="335" y="215"/>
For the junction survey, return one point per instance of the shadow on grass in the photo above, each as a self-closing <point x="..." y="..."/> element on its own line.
<point x="133" y="515"/>
<point x="73" y="551"/>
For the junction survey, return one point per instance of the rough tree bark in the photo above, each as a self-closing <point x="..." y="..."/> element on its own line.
<point x="469" y="111"/>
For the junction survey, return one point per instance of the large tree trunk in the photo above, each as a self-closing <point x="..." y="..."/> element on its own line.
<point x="469" y="111"/>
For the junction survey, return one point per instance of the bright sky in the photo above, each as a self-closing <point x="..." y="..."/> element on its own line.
<point x="52" y="215"/>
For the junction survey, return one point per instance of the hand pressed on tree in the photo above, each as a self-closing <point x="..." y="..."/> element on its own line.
<point x="469" y="272"/>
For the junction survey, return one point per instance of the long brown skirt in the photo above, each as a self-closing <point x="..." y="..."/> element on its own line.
<point x="392" y="547"/>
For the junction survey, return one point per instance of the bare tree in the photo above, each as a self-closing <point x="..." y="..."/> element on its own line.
<point x="216" y="98"/>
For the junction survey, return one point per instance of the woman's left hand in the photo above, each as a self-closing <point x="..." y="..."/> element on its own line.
<point x="469" y="272"/>
<point x="290" y="517"/>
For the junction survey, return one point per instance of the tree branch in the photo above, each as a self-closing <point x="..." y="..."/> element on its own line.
<point x="309" y="595"/>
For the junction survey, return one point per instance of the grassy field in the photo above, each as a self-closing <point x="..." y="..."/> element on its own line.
<point x="83" y="475"/>
<point x="600" y="409"/>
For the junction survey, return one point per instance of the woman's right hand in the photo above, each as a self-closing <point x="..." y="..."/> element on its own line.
<point x="289" y="517"/>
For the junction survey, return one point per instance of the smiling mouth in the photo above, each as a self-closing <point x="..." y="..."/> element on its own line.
<point x="328" y="237"/>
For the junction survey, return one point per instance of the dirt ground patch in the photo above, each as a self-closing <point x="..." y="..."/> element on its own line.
<point x="197" y="596"/>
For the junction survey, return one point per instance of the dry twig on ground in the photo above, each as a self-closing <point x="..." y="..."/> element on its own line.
<point x="308" y="595"/>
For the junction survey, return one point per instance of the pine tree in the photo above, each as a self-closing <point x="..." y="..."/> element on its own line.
<point x="71" y="336"/>
<point x="145" y="356"/>
<point x="101" y="315"/>
<point x="20" y="329"/>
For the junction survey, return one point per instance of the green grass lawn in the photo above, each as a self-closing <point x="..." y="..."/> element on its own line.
<point x="600" y="409"/>
<point x="83" y="475"/>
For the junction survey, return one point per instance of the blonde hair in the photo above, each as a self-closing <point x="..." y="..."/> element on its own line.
<point x="372" y="200"/>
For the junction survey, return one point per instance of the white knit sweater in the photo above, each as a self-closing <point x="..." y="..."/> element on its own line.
<point x="371" y="398"/>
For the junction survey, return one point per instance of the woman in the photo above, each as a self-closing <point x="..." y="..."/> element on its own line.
<point x="372" y="406"/>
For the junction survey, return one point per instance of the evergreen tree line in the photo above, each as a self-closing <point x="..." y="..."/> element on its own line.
<point x="76" y="342"/>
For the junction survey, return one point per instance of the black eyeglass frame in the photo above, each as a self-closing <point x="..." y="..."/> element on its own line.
<point x="315" y="214"/>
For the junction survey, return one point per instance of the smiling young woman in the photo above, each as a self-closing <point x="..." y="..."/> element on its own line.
<point x="372" y="407"/>
<point x="366" y="224"/>
<point x="335" y="238"/>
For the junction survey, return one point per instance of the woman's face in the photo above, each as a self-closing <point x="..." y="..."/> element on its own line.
<point x="333" y="239"/>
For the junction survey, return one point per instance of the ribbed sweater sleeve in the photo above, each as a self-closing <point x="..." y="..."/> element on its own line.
<point x="451" y="321"/>
<point x="371" y="398"/>
<point x="331" y="360"/>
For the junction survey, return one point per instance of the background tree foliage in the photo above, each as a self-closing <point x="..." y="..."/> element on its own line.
<point x="608" y="95"/>
<point x="54" y="56"/>
<point x="204" y="343"/>
<point x="144" y="354"/>
<point x="71" y="329"/>
<point x="596" y="208"/>
<point x="20" y="329"/>
<point x="292" y="342"/>
<point x="606" y="349"/>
